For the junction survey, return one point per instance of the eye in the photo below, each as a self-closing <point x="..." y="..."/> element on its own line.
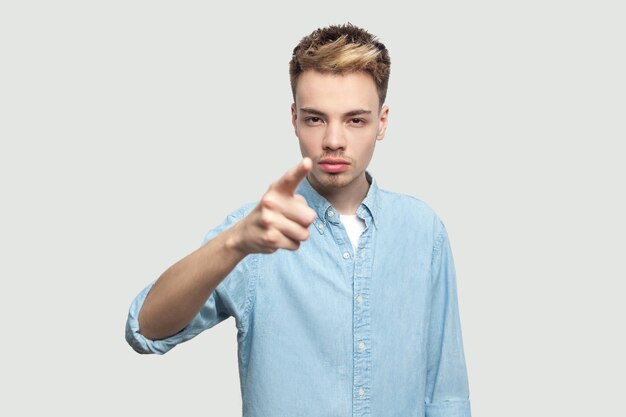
<point x="312" y="120"/>
<point x="357" y="121"/>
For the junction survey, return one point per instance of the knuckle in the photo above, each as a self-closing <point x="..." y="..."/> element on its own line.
<point x="265" y="218"/>
<point x="268" y="201"/>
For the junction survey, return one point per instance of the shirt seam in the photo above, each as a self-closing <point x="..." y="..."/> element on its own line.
<point x="253" y="259"/>
<point x="250" y="294"/>
<point x="437" y="248"/>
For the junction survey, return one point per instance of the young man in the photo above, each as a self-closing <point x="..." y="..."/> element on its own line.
<point x="357" y="315"/>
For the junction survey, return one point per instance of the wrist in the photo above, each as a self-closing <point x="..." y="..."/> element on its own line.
<point x="234" y="241"/>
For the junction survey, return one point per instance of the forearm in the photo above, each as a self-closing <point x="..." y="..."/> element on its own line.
<point x="280" y="221"/>
<point x="181" y="291"/>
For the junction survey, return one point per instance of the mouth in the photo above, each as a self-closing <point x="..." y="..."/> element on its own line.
<point x="334" y="165"/>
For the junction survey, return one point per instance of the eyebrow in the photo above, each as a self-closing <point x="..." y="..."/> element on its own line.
<point x="348" y="114"/>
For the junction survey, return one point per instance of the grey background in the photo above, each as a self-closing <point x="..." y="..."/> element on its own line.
<point x="130" y="128"/>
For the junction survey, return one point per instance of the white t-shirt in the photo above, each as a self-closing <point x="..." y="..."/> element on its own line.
<point x="354" y="226"/>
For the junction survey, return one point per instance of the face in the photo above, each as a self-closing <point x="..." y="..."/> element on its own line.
<point x="337" y="121"/>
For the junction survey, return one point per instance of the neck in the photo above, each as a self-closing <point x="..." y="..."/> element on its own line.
<point x="347" y="199"/>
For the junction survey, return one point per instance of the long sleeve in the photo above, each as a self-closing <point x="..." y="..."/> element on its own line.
<point x="447" y="389"/>
<point x="230" y="298"/>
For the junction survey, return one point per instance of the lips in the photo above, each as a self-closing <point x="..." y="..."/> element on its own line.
<point x="334" y="165"/>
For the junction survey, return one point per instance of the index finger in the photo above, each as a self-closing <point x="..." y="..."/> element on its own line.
<point x="288" y="183"/>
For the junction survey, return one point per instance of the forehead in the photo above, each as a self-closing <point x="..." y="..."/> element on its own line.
<point x="339" y="92"/>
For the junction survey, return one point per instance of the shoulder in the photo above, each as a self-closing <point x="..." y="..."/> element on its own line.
<point x="411" y="211"/>
<point x="243" y="210"/>
<point x="232" y="218"/>
<point x="406" y="204"/>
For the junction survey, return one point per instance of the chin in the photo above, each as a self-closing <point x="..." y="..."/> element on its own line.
<point x="329" y="180"/>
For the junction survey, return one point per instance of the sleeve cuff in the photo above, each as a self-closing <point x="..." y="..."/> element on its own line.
<point x="456" y="408"/>
<point x="139" y="342"/>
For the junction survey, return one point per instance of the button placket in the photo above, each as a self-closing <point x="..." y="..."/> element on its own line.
<point x="361" y="329"/>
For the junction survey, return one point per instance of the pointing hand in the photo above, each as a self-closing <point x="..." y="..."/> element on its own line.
<point x="281" y="219"/>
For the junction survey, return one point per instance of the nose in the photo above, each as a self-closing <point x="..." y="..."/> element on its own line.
<point x="334" y="137"/>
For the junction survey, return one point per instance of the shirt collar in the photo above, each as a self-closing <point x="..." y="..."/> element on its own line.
<point x="369" y="208"/>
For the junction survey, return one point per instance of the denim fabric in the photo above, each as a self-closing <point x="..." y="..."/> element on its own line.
<point x="325" y="331"/>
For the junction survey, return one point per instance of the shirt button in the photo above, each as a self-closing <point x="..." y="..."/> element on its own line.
<point x="361" y="392"/>
<point x="321" y="226"/>
<point x="331" y="213"/>
<point x="361" y="346"/>
<point x="359" y="299"/>
<point x="346" y="255"/>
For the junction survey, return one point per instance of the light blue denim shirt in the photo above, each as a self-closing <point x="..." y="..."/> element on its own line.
<point x="325" y="331"/>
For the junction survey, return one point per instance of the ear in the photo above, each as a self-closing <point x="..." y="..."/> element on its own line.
<point x="382" y="122"/>
<point x="294" y="115"/>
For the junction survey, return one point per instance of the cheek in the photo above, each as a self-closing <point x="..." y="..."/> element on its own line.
<point x="307" y="142"/>
<point x="310" y="136"/>
<point x="366" y="146"/>
<point x="365" y="139"/>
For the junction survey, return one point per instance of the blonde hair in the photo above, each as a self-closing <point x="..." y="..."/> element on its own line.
<point x="342" y="49"/>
